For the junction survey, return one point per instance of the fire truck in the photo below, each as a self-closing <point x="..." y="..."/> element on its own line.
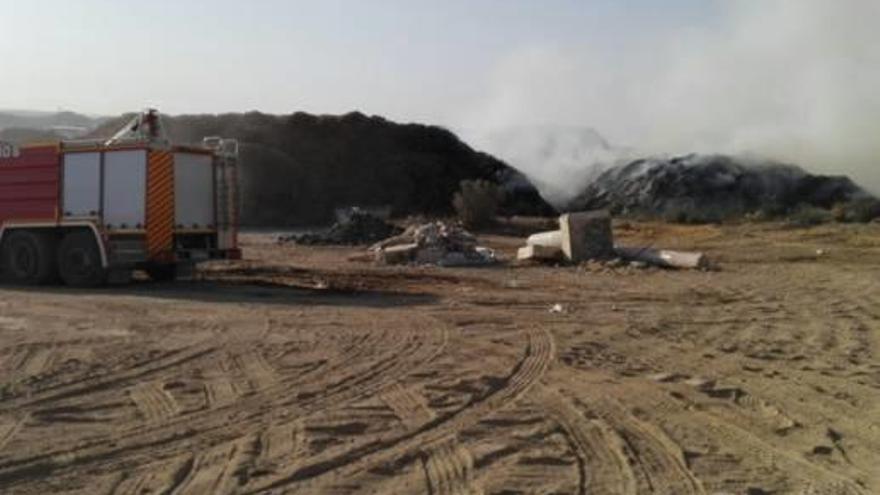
<point x="92" y="212"/>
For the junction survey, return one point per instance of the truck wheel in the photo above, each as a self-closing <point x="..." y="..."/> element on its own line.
<point x="79" y="260"/>
<point x="162" y="273"/>
<point x="28" y="258"/>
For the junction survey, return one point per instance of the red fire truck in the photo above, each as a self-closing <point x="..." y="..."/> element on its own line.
<point x="89" y="212"/>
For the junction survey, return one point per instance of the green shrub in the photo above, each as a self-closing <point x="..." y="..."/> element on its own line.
<point x="861" y="210"/>
<point x="809" y="216"/>
<point x="477" y="202"/>
<point x="686" y="214"/>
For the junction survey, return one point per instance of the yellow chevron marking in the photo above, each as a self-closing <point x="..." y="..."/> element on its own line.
<point x="160" y="204"/>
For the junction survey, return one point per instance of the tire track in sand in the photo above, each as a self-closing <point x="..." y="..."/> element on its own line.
<point x="213" y="471"/>
<point x="539" y="353"/>
<point x="280" y="443"/>
<point x="447" y="465"/>
<point x="27" y="362"/>
<point x="604" y="468"/>
<point x="9" y="427"/>
<point x="449" y="469"/>
<point x="128" y="376"/>
<point x="163" y="440"/>
<point x="408" y="405"/>
<point x="656" y="462"/>
<point x="153" y="402"/>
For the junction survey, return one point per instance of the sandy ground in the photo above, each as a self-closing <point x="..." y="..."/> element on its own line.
<point x="299" y="371"/>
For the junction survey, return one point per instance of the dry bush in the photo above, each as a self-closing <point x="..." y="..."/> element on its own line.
<point x="477" y="202"/>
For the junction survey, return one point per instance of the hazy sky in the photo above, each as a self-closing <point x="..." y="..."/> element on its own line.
<point x="407" y="59"/>
<point x="795" y="80"/>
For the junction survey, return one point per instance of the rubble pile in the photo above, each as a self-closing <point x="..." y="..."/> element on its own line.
<point x="435" y="243"/>
<point x="358" y="227"/>
<point x="711" y="188"/>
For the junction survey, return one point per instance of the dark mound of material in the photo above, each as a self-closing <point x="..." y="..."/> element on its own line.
<point x="359" y="228"/>
<point x="297" y="169"/>
<point x="711" y="188"/>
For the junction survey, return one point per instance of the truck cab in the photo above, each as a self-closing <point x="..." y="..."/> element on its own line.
<point x="87" y="212"/>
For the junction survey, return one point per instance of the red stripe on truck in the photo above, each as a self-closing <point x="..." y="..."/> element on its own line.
<point x="29" y="185"/>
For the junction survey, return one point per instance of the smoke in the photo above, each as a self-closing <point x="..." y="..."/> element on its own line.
<point x="788" y="80"/>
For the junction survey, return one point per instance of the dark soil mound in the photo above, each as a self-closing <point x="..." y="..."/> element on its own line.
<point x="359" y="228"/>
<point x="711" y="188"/>
<point x="297" y="169"/>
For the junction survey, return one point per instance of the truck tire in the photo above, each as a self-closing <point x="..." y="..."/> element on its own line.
<point x="162" y="273"/>
<point x="28" y="258"/>
<point x="79" y="260"/>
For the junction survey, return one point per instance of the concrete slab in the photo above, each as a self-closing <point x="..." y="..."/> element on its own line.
<point x="539" y="253"/>
<point x="548" y="239"/>
<point x="394" y="255"/>
<point x="586" y="235"/>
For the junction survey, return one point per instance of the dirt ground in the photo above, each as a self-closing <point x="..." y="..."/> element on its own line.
<point x="299" y="371"/>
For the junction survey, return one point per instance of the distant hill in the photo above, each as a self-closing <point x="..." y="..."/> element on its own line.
<point x="28" y="125"/>
<point x="297" y="169"/>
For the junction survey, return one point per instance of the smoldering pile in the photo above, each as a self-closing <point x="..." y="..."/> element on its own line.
<point x="435" y="243"/>
<point x="711" y="188"/>
<point x="357" y="228"/>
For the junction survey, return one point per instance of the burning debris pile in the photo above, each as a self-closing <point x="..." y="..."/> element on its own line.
<point x="358" y="227"/>
<point x="435" y="243"/>
<point x="709" y="188"/>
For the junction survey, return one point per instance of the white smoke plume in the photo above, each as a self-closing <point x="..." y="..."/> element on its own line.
<point x="790" y="80"/>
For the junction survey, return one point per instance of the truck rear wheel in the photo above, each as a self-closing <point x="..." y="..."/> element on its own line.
<point x="28" y="258"/>
<point x="79" y="260"/>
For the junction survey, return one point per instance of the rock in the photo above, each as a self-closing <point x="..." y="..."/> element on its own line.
<point x="546" y="239"/>
<point x="615" y="263"/>
<point x="539" y="253"/>
<point x="586" y="235"/>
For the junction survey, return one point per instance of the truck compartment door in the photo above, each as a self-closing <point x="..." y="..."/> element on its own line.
<point x="193" y="190"/>
<point x="81" y="195"/>
<point x="125" y="185"/>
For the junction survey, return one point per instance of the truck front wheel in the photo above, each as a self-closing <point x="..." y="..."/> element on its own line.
<point x="79" y="260"/>
<point x="28" y="258"/>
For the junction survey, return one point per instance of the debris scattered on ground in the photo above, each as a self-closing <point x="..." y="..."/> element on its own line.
<point x="587" y="237"/>
<point x="539" y="253"/>
<point x="435" y="243"/>
<point x="355" y="227"/>
<point x="665" y="258"/>
<point x="581" y="237"/>
<point x="557" y="309"/>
